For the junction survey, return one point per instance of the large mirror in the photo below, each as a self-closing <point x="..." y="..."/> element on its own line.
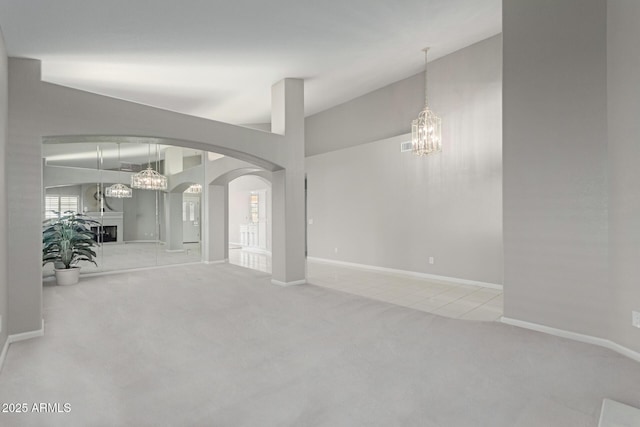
<point x="143" y="222"/>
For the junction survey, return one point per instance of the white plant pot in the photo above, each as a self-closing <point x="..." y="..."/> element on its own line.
<point x="67" y="276"/>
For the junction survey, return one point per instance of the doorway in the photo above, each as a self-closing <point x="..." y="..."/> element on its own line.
<point x="250" y="222"/>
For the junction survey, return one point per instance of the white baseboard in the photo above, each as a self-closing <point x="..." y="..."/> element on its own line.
<point x="618" y="414"/>
<point x="3" y="355"/>
<point x="294" y="283"/>
<point x="574" y="336"/>
<point x="407" y="273"/>
<point x="26" y="335"/>
<point x="19" y="337"/>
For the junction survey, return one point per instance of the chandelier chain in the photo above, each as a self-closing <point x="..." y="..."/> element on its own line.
<point x="119" y="190"/>
<point x="426" y="80"/>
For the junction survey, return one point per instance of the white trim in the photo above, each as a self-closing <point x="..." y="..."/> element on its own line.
<point x="615" y="413"/>
<point x="573" y="336"/>
<point x="26" y="335"/>
<point x="294" y="283"/>
<point x="408" y="273"/>
<point x="19" y="337"/>
<point x="220" y="261"/>
<point x="3" y="355"/>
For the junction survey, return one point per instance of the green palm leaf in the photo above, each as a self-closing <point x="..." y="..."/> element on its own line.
<point x="68" y="239"/>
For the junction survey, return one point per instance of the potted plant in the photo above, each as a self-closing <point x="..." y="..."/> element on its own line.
<point x="66" y="241"/>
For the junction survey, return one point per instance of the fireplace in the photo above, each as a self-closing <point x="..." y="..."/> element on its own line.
<point x="112" y="228"/>
<point x="105" y="233"/>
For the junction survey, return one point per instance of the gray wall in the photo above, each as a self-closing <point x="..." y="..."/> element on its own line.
<point x="54" y="176"/>
<point x="67" y="190"/>
<point x="385" y="208"/>
<point x="623" y="76"/>
<point x="555" y="164"/>
<point x="383" y="113"/>
<point x="24" y="192"/>
<point x="191" y="161"/>
<point x="139" y="216"/>
<point x="88" y="198"/>
<point x="3" y="192"/>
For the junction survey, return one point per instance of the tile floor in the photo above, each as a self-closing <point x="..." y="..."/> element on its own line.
<point x="442" y="298"/>
<point x="446" y="299"/>
<point x="254" y="260"/>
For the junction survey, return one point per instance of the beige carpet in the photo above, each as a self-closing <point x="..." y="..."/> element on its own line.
<point x="218" y="345"/>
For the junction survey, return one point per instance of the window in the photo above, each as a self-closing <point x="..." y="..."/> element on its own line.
<point x="57" y="203"/>
<point x="253" y="208"/>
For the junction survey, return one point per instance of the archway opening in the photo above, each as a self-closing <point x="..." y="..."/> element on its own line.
<point x="250" y="219"/>
<point x="146" y="228"/>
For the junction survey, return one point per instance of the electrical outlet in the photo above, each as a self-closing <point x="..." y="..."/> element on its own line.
<point x="635" y="318"/>
<point x="431" y="260"/>
<point x="335" y="250"/>
<point x="310" y="221"/>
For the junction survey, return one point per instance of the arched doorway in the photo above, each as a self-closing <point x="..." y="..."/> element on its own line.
<point x="43" y="111"/>
<point x="145" y="228"/>
<point x="250" y="218"/>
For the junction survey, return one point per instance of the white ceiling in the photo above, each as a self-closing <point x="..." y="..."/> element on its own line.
<point x="218" y="59"/>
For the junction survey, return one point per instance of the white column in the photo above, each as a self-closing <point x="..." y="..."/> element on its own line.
<point x="173" y="221"/>
<point x="288" y="234"/>
<point x="218" y="223"/>
<point x="173" y="205"/>
<point x="173" y="160"/>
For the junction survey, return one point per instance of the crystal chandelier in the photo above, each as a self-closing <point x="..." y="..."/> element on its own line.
<point x="425" y="130"/>
<point x="194" y="189"/>
<point x="149" y="179"/>
<point x="118" y="191"/>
